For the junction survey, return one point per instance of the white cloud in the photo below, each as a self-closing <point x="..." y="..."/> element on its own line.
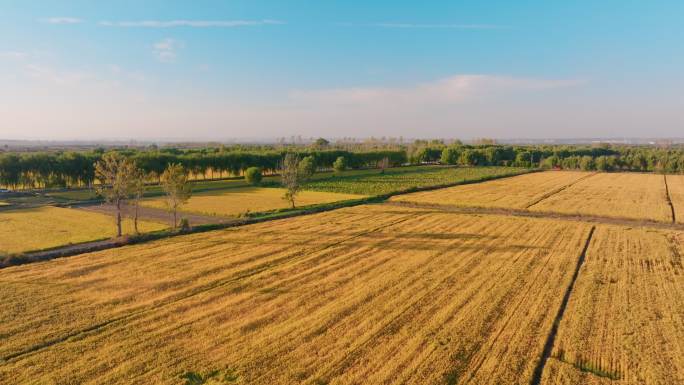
<point x="56" y="77"/>
<point x="449" y="90"/>
<point x="189" y="23"/>
<point x="166" y="50"/>
<point x="16" y="55"/>
<point x="62" y="20"/>
<point x="437" y="26"/>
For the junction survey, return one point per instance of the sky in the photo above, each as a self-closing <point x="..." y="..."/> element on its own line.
<point x="221" y="70"/>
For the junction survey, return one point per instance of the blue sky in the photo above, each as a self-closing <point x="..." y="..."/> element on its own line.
<point x="263" y="69"/>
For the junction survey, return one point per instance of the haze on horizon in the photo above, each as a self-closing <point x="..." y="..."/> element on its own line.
<point x="265" y="69"/>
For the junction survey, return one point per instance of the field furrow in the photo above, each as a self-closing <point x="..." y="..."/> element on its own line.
<point x="625" y="319"/>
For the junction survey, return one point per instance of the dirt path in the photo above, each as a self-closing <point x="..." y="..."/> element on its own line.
<point x="154" y="214"/>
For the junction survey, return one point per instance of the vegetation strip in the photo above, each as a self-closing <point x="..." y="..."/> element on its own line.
<point x="203" y="289"/>
<point x="669" y="201"/>
<point x="556" y="191"/>
<point x="550" y="339"/>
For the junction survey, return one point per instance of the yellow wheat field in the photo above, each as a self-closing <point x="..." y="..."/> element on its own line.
<point x="620" y="195"/>
<point x="44" y="227"/>
<point x="675" y="185"/>
<point x="624" y="323"/>
<point x="364" y="295"/>
<point x="517" y="192"/>
<point x="249" y="199"/>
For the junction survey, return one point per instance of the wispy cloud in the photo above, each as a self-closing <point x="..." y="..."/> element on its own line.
<point x="437" y="26"/>
<point x="449" y="90"/>
<point x="189" y="23"/>
<point x="57" y="77"/>
<point x="62" y="20"/>
<point x="15" y="55"/>
<point x="166" y="50"/>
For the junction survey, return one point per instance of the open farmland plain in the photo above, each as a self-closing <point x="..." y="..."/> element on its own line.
<point x="44" y="227"/>
<point x="403" y="292"/>
<point x="326" y="298"/>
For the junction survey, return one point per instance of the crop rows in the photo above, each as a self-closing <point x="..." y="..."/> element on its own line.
<point x="625" y="320"/>
<point x="370" y="294"/>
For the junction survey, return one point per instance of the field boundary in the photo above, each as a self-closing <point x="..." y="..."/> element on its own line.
<point x="669" y="200"/>
<point x="551" y="338"/>
<point x="558" y="190"/>
<point x="540" y="214"/>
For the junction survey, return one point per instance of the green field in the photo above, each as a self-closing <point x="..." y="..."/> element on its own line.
<point x="396" y="180"/>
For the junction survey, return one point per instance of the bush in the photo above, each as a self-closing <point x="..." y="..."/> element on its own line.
<point x="307" y="166"/>
<point x="253" y="175"/>
<point x="184" y="225"/>
<point x="340" y="164"/>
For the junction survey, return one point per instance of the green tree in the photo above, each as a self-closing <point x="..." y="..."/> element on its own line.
<point x="116" y="174"/>
<point x="307" y="167"/>
<point x="291" y="177"/>
<point x="178" y="191"/>
<point x="450" y="155"/>
<point x="340" y="164"/>
<point x="253" y="175"/>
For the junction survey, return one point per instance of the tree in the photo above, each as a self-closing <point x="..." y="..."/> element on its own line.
<point x="115" y="173"/>
<point x="383" y="164"/>
<point x="307" y="167"/>
<point x="321" y="143"/>
<point x="291" y="177"/>
<point x="137" y="190"/>
<point x="340" y="164"/>
<point x="253" y="175"/>
<point x="175" y="184"/>
<point x="450" y="155"/>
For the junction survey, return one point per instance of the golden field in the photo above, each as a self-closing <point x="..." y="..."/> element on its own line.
<point x="517" y="192"/>
<point x="45" y="227"/>
<point x="624" y="323"/>
<point x="675" y="185"/>
<point x="370" y="294"/>
<point x="241" y="200"/>
<point x="619" y="195"/>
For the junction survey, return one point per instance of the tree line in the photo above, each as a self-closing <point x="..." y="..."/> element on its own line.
<point x="77" y="169"/>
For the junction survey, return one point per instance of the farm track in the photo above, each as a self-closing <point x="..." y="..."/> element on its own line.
<point x="193" y="292"/>
<point x="556" y="191"/>
<point x="669" y="200"/>
<point x="551" y="338"/>
<point x="539" y="214"/>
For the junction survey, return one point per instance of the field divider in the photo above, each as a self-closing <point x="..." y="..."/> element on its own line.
<point x="193" y="292"/>
<point x="557" y="190"/>
<point x="669" y="200"/>
<point x="551" y="338"/>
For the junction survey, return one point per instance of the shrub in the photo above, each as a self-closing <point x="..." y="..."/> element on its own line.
<point x="253" y="175"/>
<point x="340" y="164"/>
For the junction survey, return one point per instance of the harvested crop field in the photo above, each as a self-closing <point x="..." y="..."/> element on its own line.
<point x="44" y="227"/>
<point x="624" y="322"/>
<point x="675" y="184"/>
<point x="326" y="298"/>
<point x="517" y="192"/>
<point x="241" y="200"/>
<point x="619" y="195"/>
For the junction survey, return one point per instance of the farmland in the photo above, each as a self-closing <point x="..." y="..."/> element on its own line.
<point x="517" y="193"/>
<point x="402" y="292"/>
<point x="46" y="227"/>
<point x="675" y="185"/>
<point x="237" y="201"/>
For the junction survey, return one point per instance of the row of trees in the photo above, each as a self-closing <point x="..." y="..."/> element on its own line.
<point x="74" y="169"/>
<point x="123" y="181"/>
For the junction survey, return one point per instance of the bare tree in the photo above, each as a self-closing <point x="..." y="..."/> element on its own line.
<point x="383" y="164"/>
<point x="114" y="172"/>
<point x="291" y="177"/>
<point x="175" y="184"/>
<point x="137" y="191"/>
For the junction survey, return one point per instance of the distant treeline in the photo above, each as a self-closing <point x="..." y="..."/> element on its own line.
<point x="74" y="169"/>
